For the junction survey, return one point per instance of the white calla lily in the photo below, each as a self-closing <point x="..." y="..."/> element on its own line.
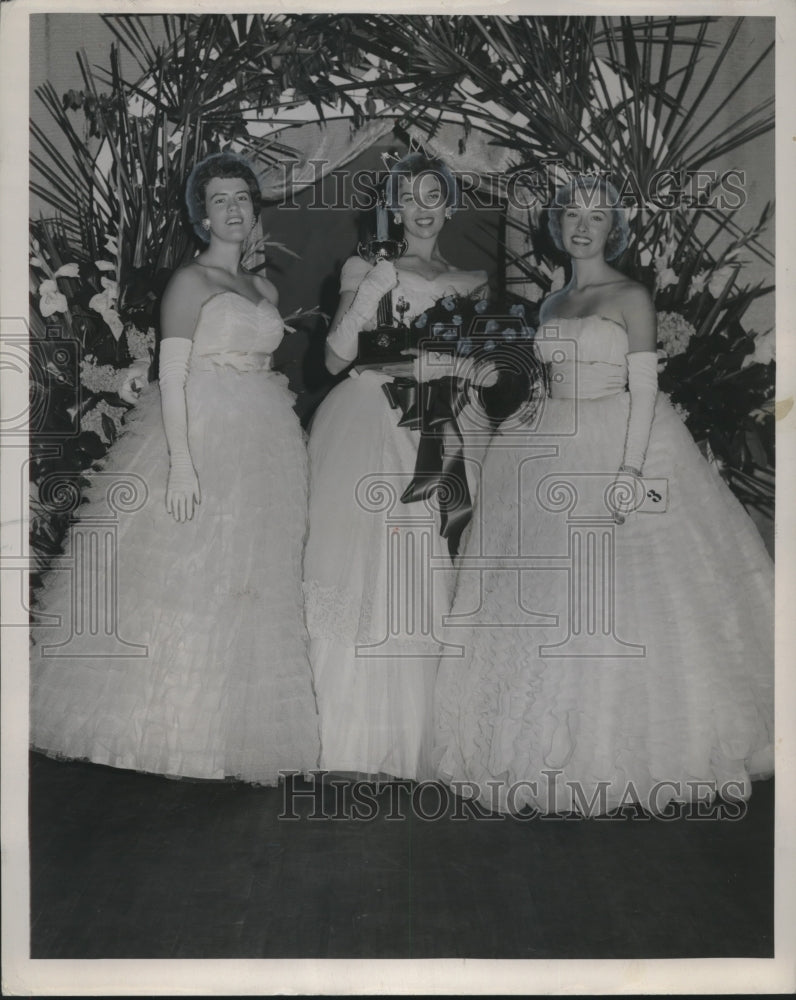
<point x="68" y="271"/>
<point x="719" y="279"/>
<point x="764" y="352"/>
<point x="50" y="299"/>
<point x="558" y="280"/>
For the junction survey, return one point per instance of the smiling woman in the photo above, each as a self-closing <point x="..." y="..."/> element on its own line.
<point x="628" y="655"/>
<point x="585" y="211"/>
<point x="422" y="194"/>
<point x="373" y="674"/>
<point x="205" y="673"/>
<point x="422" y="200"/>
<point x="229" y="206"/>
<point x="217" y="193"/>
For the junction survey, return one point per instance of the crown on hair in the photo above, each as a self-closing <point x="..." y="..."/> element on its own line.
<point x="389" y="159"/>
<point x="415" y="146"/>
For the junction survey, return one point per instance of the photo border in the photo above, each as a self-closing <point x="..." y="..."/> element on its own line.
<point x="22" y="975"/>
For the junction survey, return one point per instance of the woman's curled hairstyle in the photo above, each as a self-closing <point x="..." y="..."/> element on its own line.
<point x="217" y="165"/>
<point x="599" y="193"/>
<point x="416" y="163"/>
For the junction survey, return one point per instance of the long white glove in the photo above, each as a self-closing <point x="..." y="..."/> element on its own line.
<point x="642" y="381"/>
<point x="182" y="489"/>
<point x="344" y="339"/>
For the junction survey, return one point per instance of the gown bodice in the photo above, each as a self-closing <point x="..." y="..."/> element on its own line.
<point x="587" y="356"/>
<point x="417" y="292"/>
<point x="234" y="332"/>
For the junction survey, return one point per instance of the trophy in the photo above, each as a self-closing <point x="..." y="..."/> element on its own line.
<point x="385" y="344"/>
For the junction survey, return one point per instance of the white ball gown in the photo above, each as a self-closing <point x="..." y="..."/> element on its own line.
<point x="194" y="660"/>
<point x="372" y="643"/>
<point x="605" y="663"/>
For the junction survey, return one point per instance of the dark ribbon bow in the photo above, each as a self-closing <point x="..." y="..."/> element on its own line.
<point x="432" y="408"/>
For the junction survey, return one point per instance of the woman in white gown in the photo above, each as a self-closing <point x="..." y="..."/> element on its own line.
<point x="611" y="653"/>
<point x="372" y="654"/>
<point x="202" y="669"/>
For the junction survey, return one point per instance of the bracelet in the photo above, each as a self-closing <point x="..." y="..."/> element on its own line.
<point x="630" y="470"/>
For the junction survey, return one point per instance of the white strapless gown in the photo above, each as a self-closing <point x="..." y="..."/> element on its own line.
<point x="623" y="661"/>
<point x="370" y="601"/>
<point x="201" y="670"/>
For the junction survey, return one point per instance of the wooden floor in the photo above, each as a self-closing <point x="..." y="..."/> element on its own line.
<point x="125" y="865"/>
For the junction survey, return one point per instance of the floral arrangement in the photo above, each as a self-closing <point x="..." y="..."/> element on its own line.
<point x="490" y="341"/>
<point x="718" y="373"/>
<point x="88" y="364"/>
<point x="470" y="349"/>
<point x="460" y="319"/>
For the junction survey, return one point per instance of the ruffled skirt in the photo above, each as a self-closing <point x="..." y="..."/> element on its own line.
<point x="378" y="580"/>
<point x="606" y="663"/>
<point x="182" y="648"/>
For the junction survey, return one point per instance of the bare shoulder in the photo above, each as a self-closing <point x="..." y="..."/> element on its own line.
<point x="633" y="293"/>
<point x="182" y="302"/>
<point x="188" y="281"/>
<point x="266" y="288"/>
<point x="634" y="300"/>
<point x="550" y="306"/>
<point x="638" y="314"/>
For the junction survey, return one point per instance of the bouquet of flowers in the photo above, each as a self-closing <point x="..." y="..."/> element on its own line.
<point x="89" y="365"/>
<point x="488" y="343"/>
<point x="468" y="349"/>
<point x="718" y="373"/>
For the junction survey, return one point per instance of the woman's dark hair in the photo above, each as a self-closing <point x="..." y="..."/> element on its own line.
<point x="600" y="193"/>
<point x="217" y="165"/>
<point x="414" y="164"/>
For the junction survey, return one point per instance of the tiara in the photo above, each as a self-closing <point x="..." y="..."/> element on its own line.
<point x="390" y="158"/>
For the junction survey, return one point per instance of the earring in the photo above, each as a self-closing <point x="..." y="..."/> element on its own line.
<point x="448" y="213"/>
<point x="205" y="223"/>
<point x="397" y="218"/>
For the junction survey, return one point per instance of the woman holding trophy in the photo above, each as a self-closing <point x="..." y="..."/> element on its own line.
<point x="374" y="677"/>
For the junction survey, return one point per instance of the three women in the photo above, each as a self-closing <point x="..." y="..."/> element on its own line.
<point x="608" y="652"/>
